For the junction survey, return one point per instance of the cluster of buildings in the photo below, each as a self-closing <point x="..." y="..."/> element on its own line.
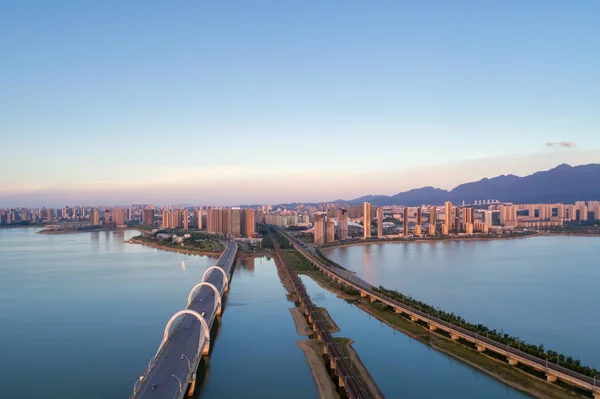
<point x="328" y="222"/>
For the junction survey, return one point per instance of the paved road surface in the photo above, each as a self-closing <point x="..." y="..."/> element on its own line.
<point x="184" y="339"/>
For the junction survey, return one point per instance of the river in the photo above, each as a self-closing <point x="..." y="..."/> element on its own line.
<point x="83" y="314"/>
<point x="541" y="289"/>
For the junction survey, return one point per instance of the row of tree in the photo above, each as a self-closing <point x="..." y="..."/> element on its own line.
<point x="498" y="336"/>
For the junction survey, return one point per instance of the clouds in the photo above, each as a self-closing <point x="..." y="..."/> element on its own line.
<point x="565" y="144"/>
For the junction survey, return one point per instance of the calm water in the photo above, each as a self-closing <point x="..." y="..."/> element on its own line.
<point x="401" y="366"/>
<point x="82" y="315"/>
<point x="542" y="289"/>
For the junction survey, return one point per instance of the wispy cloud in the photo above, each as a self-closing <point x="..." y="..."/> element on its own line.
<point x="566" y="144"/>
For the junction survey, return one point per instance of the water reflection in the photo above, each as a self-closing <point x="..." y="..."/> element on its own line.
<point x="500" y="283"/>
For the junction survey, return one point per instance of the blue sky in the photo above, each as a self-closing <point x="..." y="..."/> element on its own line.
<point x="267" y="101"/>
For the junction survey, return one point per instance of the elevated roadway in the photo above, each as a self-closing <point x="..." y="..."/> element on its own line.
<point x="171" y="373"/>
<point x="514" y="356"/>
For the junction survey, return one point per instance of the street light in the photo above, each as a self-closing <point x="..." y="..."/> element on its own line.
<point x="178" y="380"/>
<point x="188" y="360"/>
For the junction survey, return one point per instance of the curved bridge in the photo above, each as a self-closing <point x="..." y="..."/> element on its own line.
<point x="171" y="373"/>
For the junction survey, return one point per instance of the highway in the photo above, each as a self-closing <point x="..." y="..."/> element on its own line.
<point x="170" y="371"/>
<point x="567" y="375"/>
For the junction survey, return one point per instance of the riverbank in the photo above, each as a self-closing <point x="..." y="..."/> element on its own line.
<point x="185" y="251"/>
<point x="77" y="231"/>
<point x="509" y="375"/>
<point x="312" y="351"/>
<point x="357" y="364"/>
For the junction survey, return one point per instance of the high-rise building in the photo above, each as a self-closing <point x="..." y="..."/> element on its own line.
<point x="487" y="218"/>
<point x="367" y="219"/>
<point x="330" y="230"/>
<point x="448" y="214"/>
<point x="445" y="229"/>
<point x="95" y="217"/>
<point x="319" y="228"/>
<point x="457" y="219"/>
<point x="432" y="220"/>
<point x="199" y="218"/>
<point x="582" y="208"/>
<point x="118" y="216"/>
<point x="236" y="222"/>
<point x="419" y="221"/>
<point x="342" y="218"/>
<point x="185" y="216"/>
<point x="418" y="230"/>
<point x="380" y="222"/>
<point x="249" y="222"/>
<point x="166" y="216"/>
<point x="106" y="216"/>
<point x="405" y="222"/>
<point x="148" y="217"/>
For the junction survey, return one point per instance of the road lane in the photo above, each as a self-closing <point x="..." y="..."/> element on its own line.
<point x="184" y="338"/>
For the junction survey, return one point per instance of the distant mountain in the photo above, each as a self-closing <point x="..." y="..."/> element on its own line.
<point x="563" y="183"/>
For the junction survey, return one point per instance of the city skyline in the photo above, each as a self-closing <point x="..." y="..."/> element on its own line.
<point x="228" y="103"/>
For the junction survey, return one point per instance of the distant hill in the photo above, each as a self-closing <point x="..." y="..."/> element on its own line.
<point x="563" y="183"/>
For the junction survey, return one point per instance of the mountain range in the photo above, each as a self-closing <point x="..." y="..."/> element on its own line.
<point x="563" y="183"/>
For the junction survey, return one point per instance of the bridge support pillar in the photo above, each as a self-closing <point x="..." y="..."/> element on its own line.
<point x="373" y="299"/>
<point x="550" y="377"/>
<point x="363" y="294"/>
<point x="332" y="364"/>
<point x="480" y="348"/>
<point x="219" y="310"/>
<point x="192" y="385"/>
<point x="340" y="381"/>
<point x="432" y="328"/>
<point x="512" y="361"/>
<point x="597" y="395"/>
<point x="414" y="318"/>
<point x="206" y="348"/>
<point x="454" y="337"/>
<point x="397" y="311"/>
<point x="325" y="349"/>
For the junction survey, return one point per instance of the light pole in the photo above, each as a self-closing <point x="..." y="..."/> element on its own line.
<point x="178" y="380"/>
<point x="188" y="360"/>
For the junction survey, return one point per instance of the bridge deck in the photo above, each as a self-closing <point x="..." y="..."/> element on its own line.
<point x="167" y="371"/>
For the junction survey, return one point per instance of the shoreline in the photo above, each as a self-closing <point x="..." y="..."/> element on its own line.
<point x="312" y="350"/>
<point x="171" y="249"/>
<point x="76" y="231"/>
<point x="476" y="238"/>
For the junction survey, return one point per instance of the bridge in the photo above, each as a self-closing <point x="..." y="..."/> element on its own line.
<point x="171" y="373"/>
<point x="514" y="356"/>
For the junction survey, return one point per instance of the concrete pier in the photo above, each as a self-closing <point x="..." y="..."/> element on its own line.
<point x="454" y="337"/>
<point x="550" y="377"/>
<point x="480" y="348"/>
<point x="512" y="361"/>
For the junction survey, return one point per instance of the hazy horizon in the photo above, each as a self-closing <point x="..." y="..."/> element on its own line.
<point x="270" y="102"/>
<point x="112" y="199"/>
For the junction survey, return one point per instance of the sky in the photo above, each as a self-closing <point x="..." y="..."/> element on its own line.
<point x="238" y="102"/>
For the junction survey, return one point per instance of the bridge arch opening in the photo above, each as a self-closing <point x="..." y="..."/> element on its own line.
<point x="225" y="279"/>
<point x="195" y="288"/>
<point x="196" y="315"/>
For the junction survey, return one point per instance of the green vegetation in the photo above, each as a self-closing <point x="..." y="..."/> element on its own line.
<point x="190" y="244"/>
<point x="325" y="259"/>
<point x="498" y="336"/>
